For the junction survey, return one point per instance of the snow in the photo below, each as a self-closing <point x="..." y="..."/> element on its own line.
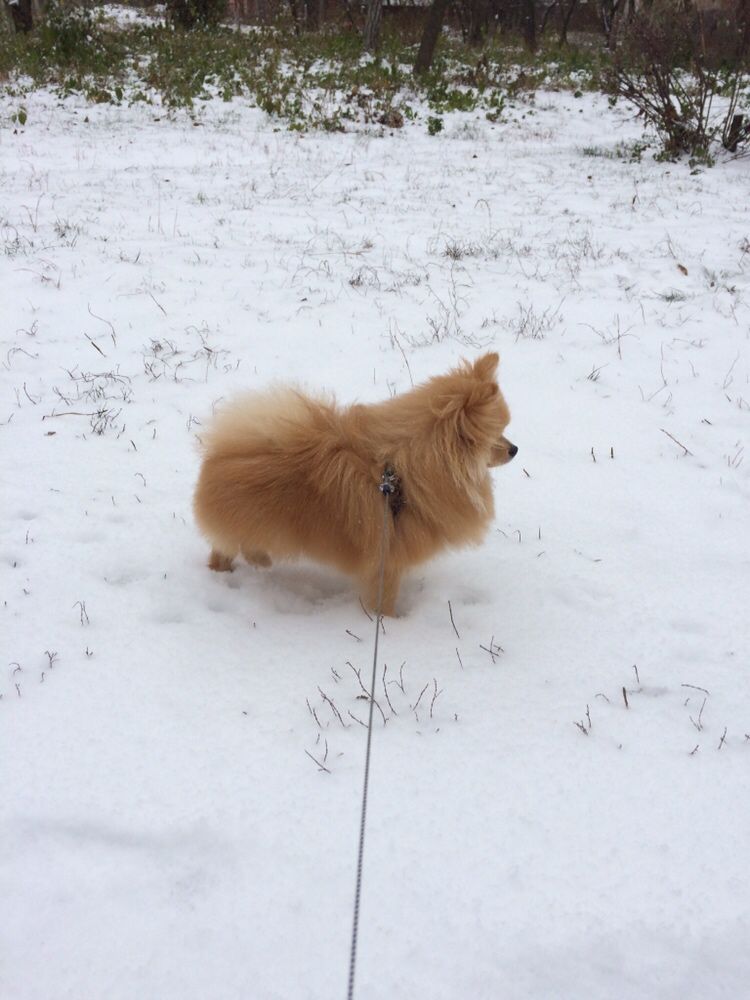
<point x="164" y="833"/>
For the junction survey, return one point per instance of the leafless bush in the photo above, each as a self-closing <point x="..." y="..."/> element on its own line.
<point x="532" y="325"/>
<point x="672" y="62"/>
<point x="164" y="359"/>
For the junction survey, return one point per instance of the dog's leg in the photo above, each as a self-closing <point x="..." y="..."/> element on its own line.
<point x="391" y="583"/>
<point x="257" y="557"/>
<point x="220" y="563"/>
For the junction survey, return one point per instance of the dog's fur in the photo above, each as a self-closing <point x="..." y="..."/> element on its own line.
<point x="285" y="475"/>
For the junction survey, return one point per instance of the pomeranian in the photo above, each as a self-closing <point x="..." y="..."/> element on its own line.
<point x="286" y="475"/>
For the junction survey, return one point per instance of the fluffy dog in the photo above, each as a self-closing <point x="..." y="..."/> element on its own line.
<point x="285" y="475"/>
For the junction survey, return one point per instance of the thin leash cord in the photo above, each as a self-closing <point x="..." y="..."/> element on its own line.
<point x="386" y="488"/>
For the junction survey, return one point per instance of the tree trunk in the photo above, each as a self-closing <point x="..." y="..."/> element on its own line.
<point x="371" y="39"/>
<point x="294" y="11"/>
<point x="312" y="15"/>
<point x="22" y="15"/>
<point x="609" y="11"/>
<point x="554" y="7"/>
<point x="734" y="134"/>
<point x="567" y="14"/>
<point x="480" y="16"/>
<point x="432" y="28"/>
<point x="743" y="26"/>
<point x="529" y="25"/>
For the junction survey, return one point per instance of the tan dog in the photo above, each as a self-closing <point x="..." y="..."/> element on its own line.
<point x="287" y="475"/>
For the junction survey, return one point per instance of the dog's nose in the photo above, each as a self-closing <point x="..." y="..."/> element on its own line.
<point x="513" y="450"/>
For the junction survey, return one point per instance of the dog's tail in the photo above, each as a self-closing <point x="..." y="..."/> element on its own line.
<point x="259" y="420"/>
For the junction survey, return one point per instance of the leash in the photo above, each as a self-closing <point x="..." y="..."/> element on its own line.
<point x="388" y="486"/>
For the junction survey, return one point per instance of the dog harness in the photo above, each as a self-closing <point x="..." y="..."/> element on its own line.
<point x="390" y="485"/>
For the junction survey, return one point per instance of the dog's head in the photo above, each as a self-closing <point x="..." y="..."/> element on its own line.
<point x="470" y="405"/>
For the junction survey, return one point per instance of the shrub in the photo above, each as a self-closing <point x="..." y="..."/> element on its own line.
<point x="70" y="31"/>
<point x="671" y="63"/>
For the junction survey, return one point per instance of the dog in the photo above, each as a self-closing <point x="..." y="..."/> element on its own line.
<point x="286" y="475"/>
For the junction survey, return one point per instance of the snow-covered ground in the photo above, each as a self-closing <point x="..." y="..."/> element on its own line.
<point x="164" y="832"/>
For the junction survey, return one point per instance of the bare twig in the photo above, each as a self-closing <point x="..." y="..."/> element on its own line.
<point x="102" y="320"/>
<point x="313" y="713"/>
<point x="321" y="767"/>
<point x="385" y="690"/>
<point x="450" y="610"/>
<point x="678" y="443"/>
<point x="365" y="609"/>
<point x="695" y="688"/>
<point x="84" y="616"/>
<point x="435" y="696"/>
<point x="400" y="682"/>
<point x="95" y="345"/>
<point x="494" y="649"/>
<point x="352" y="716"/>
<point x="585" y="726"/>
<point x="30" y="398"/>
<point x="699" y="724"/>
<point x="397" y="342"/>
<point x="416" y="703"/>
<point x="329" y="702"/>
<point x="365" y="693"/>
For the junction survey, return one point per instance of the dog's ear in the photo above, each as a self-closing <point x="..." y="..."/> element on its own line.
<point x="446" y="406"/>
<point x="485" y="368"/>
<point x="481" y="394"/>
<point x="458" y="405"/>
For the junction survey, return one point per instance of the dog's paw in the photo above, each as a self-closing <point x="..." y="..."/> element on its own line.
<point x="257" y="557"/>
<point x="220" y="563"/>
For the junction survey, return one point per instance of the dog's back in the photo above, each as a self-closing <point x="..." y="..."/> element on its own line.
<point x="278" y="479"/>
